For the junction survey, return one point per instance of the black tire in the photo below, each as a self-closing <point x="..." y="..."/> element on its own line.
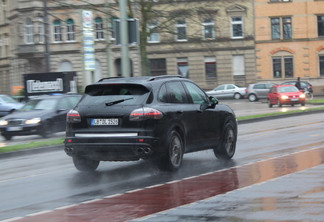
<point x="7" y="137"/>
<point x="237" y="96"/>
<point x="252" y="97"/>
<point x="47" y="129"/>
<point x="302" y="104"/>
<point x="279" y="104"/>
<point x="85" y="164"/>
<point x="269" y="103"/>
<point x="228" y="142"/>
<point x="171" y="159"/>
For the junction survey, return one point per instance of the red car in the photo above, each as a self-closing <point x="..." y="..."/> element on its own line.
<point x="285" y="95"/>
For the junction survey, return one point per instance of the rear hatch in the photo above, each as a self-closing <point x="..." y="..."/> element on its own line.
<point x="107" y="108"/>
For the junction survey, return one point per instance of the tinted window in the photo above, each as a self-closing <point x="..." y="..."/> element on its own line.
<point x="230" y="87"/>
<point x="176" y="93"/>
<point x="125" y="94"/>
<point x="196" y="94"/>
<point x="162" y="95"/>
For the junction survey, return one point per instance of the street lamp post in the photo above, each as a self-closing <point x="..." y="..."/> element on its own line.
<point x="47" y="54"/>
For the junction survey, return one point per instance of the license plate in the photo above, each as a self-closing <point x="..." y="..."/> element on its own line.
<point x="14" y="128"/>
<point x="294" y="100"/>
<point x="104" y="122"/>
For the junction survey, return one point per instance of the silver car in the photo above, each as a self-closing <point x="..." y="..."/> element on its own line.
<point x="258" y="91"/>
<point x="8" y="105"/>
<point x="228" y="91"/>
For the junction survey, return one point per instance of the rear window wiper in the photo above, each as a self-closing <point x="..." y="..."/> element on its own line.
<point x="117" y="101"/>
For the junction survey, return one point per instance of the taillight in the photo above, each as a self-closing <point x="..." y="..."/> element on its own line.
<point x="73" y="116"/>
<point x="145" y="113"/>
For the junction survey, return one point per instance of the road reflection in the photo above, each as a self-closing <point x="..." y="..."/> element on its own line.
<point x="143" y="202"/>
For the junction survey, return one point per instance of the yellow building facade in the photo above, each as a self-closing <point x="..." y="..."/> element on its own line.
<point x="289" y="38"/>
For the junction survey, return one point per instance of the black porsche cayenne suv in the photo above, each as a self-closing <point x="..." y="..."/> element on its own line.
<point x="149" y="117"/>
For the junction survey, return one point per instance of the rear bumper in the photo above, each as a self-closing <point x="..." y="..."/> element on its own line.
<point x="112" y="148"/>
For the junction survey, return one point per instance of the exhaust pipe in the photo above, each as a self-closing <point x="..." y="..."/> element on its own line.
<point x="70" y="151"/>
<point x="144" y="150"/>
<point x="147" y="150"/>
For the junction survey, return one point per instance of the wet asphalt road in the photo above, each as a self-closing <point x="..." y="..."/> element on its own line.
<point x="276" y="175"/>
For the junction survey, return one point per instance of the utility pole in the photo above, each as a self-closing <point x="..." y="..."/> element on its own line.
<point x="47" y="54"/>
<point x="125" y="64"/>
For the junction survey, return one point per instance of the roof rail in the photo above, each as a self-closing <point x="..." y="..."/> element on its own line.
<point x="116" y="77"/>
<point x="164" y="76"/>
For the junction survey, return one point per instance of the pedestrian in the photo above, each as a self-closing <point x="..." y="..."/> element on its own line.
<point x="298" y="84"/>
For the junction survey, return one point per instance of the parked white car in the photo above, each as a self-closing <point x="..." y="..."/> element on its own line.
<point x="228" y="91"/>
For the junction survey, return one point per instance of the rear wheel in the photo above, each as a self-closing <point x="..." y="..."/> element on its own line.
<point x="308" y="95"/>
<point x="172" y="157"/>
<point x="85" y="164"/>
<point x="237" y="96"/>
<point x="228" y="144"/>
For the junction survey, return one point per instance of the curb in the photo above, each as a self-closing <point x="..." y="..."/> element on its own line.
<point x="31" y="151"/>
<point x="61" y="147"/>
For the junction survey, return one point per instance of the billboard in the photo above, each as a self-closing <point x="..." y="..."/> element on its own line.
<point x="52" y="82"/>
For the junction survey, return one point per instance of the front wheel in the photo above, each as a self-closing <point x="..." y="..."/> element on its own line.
<point x="47" y="129"/>
<point x="228" y="143"/>
<point x="172" y="157"/>
<point x="7" y="137"/>
<point x="269" y="103"/>
<point x="279" y="103"/>
<point x="85" y="164"/>
<point x="253" y="98"/>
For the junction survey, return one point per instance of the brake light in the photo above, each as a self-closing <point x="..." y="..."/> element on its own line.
<point x="145" y="113"/>
<point x="73" y="116"/>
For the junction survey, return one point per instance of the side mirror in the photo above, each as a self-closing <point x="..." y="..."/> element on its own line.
<point x="213" y="102"/>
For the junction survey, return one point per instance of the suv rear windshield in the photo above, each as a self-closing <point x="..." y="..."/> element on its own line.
<point x="111" y="94"/>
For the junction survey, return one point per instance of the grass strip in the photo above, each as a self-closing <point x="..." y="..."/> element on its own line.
<point x="31" y="145"/>
<point x="278" y="113"/>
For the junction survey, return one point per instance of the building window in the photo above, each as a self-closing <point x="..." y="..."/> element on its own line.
<point x="321" y="65"/>
<point x="154" y="36"/>
<point x="283" y="67"/>
<point x="276" y="24"/>
<point x="41" y="31"/>
<point x="237" y="27"/>
<point x="183" y="67"/>
<point x="238" y="65"/>
<point x="70" y="30"/>
<point x="208" y="28"/>
<point x="320" y="26"/>
<point x="210" y="67"/>
<point x="181" y="30"/>
<point x="99" y="29"/>
<point x="57" y="31"/>
<point x="158" y="67"/>
<point x="29" y="31"/>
